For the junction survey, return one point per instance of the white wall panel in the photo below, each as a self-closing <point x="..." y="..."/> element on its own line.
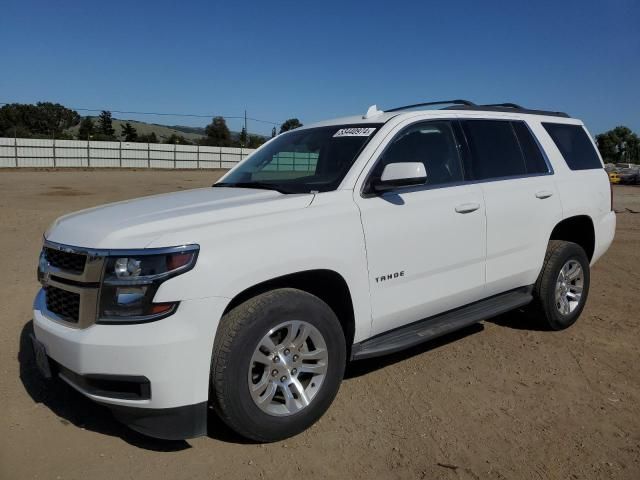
<point x="35" y="152"/>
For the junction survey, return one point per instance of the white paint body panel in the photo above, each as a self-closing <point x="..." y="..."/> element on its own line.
<point x="250" y="236"/>
<point x="173" y="353"/>
<point x="440" y="252"/>
<point x="518" y="228"/>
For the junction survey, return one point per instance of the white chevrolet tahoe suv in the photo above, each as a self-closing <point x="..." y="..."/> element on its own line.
<point x="339" y="241"/>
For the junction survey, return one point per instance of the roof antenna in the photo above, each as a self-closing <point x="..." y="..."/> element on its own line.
<point x="372" y="112"/>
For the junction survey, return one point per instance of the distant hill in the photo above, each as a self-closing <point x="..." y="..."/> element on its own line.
<point x="162" y="131"/>
<point x="194" y="130"/>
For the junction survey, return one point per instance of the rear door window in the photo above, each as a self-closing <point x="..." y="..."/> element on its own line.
<point x="574" y="145"/>
<point x="533" y="158"/>
<point x="495" y="151"/>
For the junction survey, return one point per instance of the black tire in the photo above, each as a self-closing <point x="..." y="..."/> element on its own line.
<point x="240" y="331"/>
<point x="559" y="252"/>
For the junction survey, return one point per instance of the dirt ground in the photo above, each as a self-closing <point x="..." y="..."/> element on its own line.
<point x="501" y="400"/>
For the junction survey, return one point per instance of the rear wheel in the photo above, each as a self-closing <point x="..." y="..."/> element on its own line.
<point x="563" y="284"/>
<point x="278" y="362"/>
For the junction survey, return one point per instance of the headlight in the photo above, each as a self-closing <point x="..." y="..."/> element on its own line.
<point x="130" y="281"/>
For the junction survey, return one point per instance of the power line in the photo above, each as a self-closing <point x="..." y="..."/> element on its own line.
<point x="165" y="114"/>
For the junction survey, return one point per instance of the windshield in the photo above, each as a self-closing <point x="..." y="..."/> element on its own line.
<point x="302" y="161"/>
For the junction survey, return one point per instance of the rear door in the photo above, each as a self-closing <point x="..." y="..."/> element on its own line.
<point x="425" y="245"/>
<point x="521" y="199"/>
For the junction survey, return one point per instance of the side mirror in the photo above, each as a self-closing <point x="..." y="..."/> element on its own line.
<point x="401" y="174"/>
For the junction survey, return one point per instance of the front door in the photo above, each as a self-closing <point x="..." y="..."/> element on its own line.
<point x="425" y="245"/>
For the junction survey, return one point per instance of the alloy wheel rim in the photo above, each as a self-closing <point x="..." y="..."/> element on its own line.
<point x="569" y="286"/>
<point x="287" y="368"/>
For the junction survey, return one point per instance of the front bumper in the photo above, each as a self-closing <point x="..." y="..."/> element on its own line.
<point x="174" y="354"/>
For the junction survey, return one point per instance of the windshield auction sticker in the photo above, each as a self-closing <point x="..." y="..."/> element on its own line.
<point x="354" y="132"/>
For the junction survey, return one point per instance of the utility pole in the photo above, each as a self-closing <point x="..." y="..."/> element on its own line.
<point x="15" y="143"/>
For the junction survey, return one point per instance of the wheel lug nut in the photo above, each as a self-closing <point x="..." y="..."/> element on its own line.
<point x="274" y="373"/>
<point x="294" y="371"/>
<point x="276" y="359"/>
<point x="295" y="358"/>
<point x="283" y="378"/>
<point x="286" y="351"/>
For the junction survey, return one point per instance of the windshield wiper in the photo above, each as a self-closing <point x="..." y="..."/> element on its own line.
<point x="259" y="185"/>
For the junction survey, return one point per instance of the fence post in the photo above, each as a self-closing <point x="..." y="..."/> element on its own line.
<point x="54" y="152"/>
<point x="175" y="147"/>
<point x="198" y="156"/>
<point x="88" y="153"/>
<point x="120" y="152"/>
<point x="15" y="145"/>
<point x="220" y="156"/>
<point x="148" y="155"/>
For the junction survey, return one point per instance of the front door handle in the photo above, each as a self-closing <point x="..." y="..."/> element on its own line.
<point x="542" y="194"/>
<point x="467" y="207"/>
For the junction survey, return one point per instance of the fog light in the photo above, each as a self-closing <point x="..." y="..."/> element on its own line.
<point x="127" y="267"/>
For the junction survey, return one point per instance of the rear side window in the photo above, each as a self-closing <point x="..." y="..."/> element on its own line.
<point x="574" y="144"/>
<point x="495" y="151"/>
<point x="533" y="159"/>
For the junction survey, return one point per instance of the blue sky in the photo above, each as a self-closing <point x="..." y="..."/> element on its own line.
<point x="322" y="59"/>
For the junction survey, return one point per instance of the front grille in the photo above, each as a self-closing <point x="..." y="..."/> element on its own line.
<point x="71" y="262"/>
<point x="63" y="303"/>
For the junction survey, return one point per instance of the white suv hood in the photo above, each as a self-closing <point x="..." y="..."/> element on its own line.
<point x="136" y="223"/>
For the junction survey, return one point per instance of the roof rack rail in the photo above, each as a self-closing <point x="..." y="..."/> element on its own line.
<point x="507" y="108"/>
<point x="506" y="104"/>
<point x="460" y="104"/>
<point x="504" y="107"/>
<point x="466" y="103"/>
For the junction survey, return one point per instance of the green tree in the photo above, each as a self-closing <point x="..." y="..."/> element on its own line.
<point x="44" y="119"/>
<point x="87" y="128"/>
<point x="243" y="137"/>
<point x="255" y="141"/>
<point x="217" y="133"/>
<point x="105" y="125"/>
<point x="176" y="139"/>
<point x="273" y="132"/>
<point x="619" y="145"/>
<point x="129" y="132"/>
<point x="290" y="124"/>
<point x="55" y="118"/>
<point x="148" y="138"/>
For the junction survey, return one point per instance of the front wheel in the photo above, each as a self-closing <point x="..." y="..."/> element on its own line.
<point x="563" y="284"/>
<point x="278" y="362"/>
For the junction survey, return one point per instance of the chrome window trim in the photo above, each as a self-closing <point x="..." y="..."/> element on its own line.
<point x="419" y="188"/>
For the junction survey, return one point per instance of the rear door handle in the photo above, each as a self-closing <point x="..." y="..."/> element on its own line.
<point x="467" y="207"/>
<point x="542" y="194"/>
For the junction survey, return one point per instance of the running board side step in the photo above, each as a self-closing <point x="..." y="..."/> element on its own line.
<point x="441" y="324"/>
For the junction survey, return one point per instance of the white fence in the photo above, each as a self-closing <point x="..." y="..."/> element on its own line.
<point x="29" y="152"/>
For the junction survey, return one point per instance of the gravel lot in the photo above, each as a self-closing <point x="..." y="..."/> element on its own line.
<point x="503" y="399"/>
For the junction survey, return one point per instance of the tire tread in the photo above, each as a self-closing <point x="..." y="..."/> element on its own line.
<point x="231" y="324"/>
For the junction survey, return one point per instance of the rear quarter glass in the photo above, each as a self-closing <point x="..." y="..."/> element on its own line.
<point x="574" y="145"/>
